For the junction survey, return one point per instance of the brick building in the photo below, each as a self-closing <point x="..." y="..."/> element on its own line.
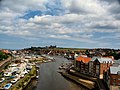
<point x="112" y="76"/>
<point x="93" y="66"/>
<point x="82" y="64"/>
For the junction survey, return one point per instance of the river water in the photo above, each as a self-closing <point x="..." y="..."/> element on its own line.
<point x="50" y="79"/>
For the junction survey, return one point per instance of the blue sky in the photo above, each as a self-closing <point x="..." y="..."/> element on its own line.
<point x="65" y="23"/>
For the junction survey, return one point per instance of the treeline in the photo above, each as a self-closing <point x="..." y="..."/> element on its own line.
<point x="37" y="48"/>
<point x="3" y="56"/>
<point x="107" y="53"/>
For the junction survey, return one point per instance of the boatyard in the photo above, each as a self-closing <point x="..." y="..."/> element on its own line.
<point x="20" y="71"/>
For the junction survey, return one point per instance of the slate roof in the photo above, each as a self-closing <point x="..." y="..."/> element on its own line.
<point x="115" y="69"/>
<point x="102" y="59"/>
<point x="117" y="61"/>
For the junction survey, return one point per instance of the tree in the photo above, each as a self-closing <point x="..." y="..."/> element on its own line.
<point x="87" y="53"/>
<point x="3" y="56"/>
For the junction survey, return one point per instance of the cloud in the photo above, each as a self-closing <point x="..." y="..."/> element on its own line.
<point x="84" y="22"/>
<point x="22" y="6"/>
<point x="84" y="7"/>
<point x="119" y="1"/>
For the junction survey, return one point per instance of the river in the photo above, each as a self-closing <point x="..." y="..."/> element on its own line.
<point x="50" y="79"/>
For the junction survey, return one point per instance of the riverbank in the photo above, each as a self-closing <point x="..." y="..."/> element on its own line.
<point x="67" y="71"/>
<point x="31" y="85"/>
<point x="42" y="59"/>
<point x="86" y="83"/>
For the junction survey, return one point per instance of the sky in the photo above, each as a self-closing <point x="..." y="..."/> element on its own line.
<point x="65" y="23"/>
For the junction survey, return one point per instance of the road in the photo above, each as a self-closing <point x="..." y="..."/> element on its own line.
<point x="4" y="63"/>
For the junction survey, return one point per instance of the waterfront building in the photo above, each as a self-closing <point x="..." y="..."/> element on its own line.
<point x="82" y="64"/>
<point x="92" y="66"/>
<point x="112" y="76"/>
<point x="98" y="65"/>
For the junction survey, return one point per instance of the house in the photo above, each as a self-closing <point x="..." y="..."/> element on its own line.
<point x="6" y="51"/>
<point x="98" y="65"/>
<point x="94" y="67"/>
<point x="82" y="64"/>
<point x="112" y="76"/>
<point x="75" y="55"/>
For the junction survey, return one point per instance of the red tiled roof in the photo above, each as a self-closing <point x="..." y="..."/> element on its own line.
<point x="83" y="59"/>
<point x="5" y="51"/>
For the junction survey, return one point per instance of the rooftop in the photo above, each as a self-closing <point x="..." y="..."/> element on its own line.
<point x="115" y="69"/>
<point x="102" y="59"/>
<point x="83" y="58"/>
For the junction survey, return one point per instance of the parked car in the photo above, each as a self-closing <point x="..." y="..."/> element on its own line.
<point x="22" y="75"/>
<point x="7" y="74"/>
<point x="10" y="77"/>
<point x="7" y="86"/>
<point x="25" y="72"/>
<point x="14" y="80"/>
<point x="1" y="80"/>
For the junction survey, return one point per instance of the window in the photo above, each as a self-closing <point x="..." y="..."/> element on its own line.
<point x="97" y="68"/>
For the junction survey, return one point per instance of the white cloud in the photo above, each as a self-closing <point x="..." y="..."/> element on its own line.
<point x="84" y="6"/>
<point x="22" y="6"/>
<point x="80" y="21"/>
<point x="6" y="15"/>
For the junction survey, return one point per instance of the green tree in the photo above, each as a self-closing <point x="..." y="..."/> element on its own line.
<point x="3" y="56"/>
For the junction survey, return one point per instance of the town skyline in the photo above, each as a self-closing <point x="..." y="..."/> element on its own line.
<point x="65" y="23"/>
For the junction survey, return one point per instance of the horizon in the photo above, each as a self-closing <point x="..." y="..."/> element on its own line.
<point x="61" y="47"/>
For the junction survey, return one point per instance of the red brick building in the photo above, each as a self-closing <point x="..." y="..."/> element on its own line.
<point x="100" y="64"/>
<point x="82" y="64"/>
<point x="93" y="66"/>
<point x="112" y="76"/>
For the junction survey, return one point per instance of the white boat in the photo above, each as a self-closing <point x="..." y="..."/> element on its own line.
<point x="60" y="67"/>
<point x="37" y="77"/>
